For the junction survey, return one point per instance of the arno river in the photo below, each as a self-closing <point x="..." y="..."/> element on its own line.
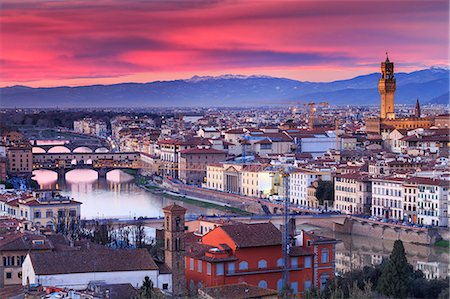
<point x="117" y="196"/>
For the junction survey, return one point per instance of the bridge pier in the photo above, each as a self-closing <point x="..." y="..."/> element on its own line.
<point x="102" y="171"/>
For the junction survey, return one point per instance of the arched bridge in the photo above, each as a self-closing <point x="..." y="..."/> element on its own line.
<point x="99" y="161"/>
<point x="68" y="148"/>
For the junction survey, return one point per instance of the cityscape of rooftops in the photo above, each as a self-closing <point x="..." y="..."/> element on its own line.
<point x="224" y="149"/>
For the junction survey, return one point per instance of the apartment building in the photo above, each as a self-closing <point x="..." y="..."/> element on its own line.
<point x="352" y="193"/>
<point x="43" y="207"/>
<point x="193" y="161"/>
<point x="300" y="180"/>
<point x="253" y="180"/>
<point x="20" y="159"/>
<point x="410" y="192"/>
<point x="387" y="199"/>
<point x="432" y="201"/>
<point x="91" y="126"/>
<point x="251" y="253"/>
<point x="170" y="149"/>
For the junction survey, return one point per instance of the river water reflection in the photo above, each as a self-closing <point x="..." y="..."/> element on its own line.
<point x="354" y="252"/>
<point x="116" y="196"/>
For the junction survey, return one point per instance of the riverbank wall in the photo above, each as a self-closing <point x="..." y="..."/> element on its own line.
<point x="344" y="224"/>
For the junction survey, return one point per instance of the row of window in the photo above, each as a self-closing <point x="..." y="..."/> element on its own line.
<point x="49" y="213"/>
<point x="262" y="264"/>
<point x="13" y="260"/>
<point x="387" y="202"/>
<point x="388" y="192"/>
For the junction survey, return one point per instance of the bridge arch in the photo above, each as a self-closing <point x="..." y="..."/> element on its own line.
<point x="82" y="149"/>
<point x="81" y="175"/>
<point x="38" y="150"/>
<point x="102" y="150"/>
<point x="58" y="150"/>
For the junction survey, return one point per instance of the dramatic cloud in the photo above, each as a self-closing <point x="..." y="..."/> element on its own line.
<point x="104" y="41"/>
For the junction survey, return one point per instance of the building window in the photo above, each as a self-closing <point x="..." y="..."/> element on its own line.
<point x="208" y="268"/>
<point x="165" y="286"/>
<point x="49" y="214"/>
<point x="294" y="287"/>
<point x="177" y="223"/>
<point x="262" y="264"/>
<point x="280" y="262"/>
<point x="279" y="285"/>
<point x="177" y="244"/>
<point x="191" y="264"/>
<point x="73" y="213"/>
<point x="262" y="284"/>
<point x="199" y="266"/>
<point x="325" y="257"/>
<point x="219" y="269"/>
<point x="230" y="268"/>
<point x="8" y="275"/>
<point x="37" y="214"/>
<point x="294" y="262"/>
<point x="323" y="280"/>
<point x="307" y="285"/>
<point x="307" y="262"/>
<point x="243" y="265"/>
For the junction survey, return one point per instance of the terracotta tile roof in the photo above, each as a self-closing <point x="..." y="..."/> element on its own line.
<point x="321" y="239"/>
<point x="253" y="235"/>
<point x="300" y="250"/>
<point x="264" y="141"/>
<point x="91" y="260"/>
<point x="235" y="131"/>
<point x="23" y="241"/>
<point x="163" y="268"/>
<point x="238" y="291"/>
<point x="428" y="181"/>
<point x="197" y="250"/>
<point x="197" y="150"/>
<point x="174" y="207"/>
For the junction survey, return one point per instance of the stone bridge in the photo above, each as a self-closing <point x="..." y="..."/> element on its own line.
<point x="101" y="162"/>
<point x="69" y="148"/>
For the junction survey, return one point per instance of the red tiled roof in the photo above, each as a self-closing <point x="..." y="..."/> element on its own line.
<point x="174" y="207"/>
<point x="235" y="131"/>
<point x="197" y="150"/>
<point x="428" y="181"/>
<point x="253" y="235"/>
<point x="91" y="260"/>
<point x="264" y="141"/>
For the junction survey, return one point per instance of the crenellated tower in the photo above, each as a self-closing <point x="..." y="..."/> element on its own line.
<point x="386" y="87"/>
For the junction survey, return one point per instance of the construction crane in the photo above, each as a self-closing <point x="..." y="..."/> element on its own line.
<point x="336" y="124"/>
<point x="286" y="236"/>
<point x="312" y="112"/>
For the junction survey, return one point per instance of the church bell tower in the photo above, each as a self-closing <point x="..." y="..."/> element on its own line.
<point x="386" y="87"/>
<point x="174" y="247"/>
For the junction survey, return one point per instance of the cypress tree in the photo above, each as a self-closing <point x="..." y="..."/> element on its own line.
<point x="396" y="276"/>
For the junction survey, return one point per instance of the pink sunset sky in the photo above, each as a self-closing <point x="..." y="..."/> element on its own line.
<point x="53" y="43"/>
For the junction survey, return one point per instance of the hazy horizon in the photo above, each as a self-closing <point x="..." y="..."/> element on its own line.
<point x="223" y="75"/>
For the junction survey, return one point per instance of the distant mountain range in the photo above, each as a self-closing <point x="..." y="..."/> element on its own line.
<point x="429" y="85"/>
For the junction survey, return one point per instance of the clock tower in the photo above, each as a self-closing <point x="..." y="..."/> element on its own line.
<point x="386" y="87"/>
